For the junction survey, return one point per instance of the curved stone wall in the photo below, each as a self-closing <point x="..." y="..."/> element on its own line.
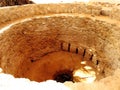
<point x="16" y="12"/>
<point x="35" y="34"/>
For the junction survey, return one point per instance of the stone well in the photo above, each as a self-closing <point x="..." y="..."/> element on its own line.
<point x="44" y="41"/>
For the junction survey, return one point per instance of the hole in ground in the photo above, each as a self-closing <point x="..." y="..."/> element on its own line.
<point x="62" y="76"/>
<point x="61" y="66"/>
<point x="35" y="42"/>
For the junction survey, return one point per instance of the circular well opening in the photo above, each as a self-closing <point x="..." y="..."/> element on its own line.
<point x="57" y="48"/>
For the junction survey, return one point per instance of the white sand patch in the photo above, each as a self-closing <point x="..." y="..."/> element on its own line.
<point x="8" y="82"/>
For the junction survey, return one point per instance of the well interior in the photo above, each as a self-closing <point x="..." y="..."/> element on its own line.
<point x="39" y="47"/>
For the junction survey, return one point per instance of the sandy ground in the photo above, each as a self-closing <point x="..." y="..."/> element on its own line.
<point x="47" y="1"/>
